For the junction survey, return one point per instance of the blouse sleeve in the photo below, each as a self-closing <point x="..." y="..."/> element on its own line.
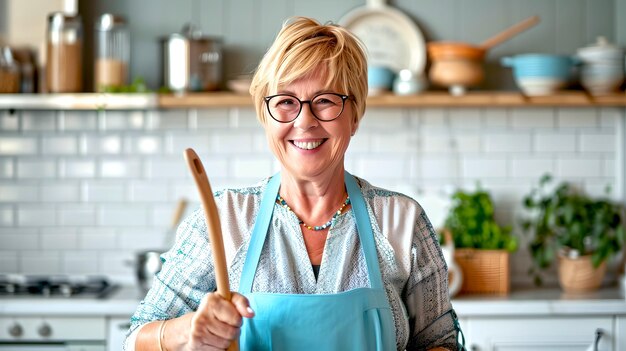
<point x="432" y="321"/>
<point x="186" y="276"/>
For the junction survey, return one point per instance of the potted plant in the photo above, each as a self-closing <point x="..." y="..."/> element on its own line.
<point x="581" y="232"/>
<point x="482" y="245"/>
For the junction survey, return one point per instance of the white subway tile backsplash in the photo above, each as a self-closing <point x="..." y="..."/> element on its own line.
<point x="144" y="144"/>
<point x="9" y="121"/>
<point x="495" y="118"/>
<point x="77" y="168"/>
<point x="122" y="120"/>
<point x="383" y="118"/>
<point x="509" y="142"/>
<point x="60" y="192"/>
<point x="104" y="191"/>
<point x="529" y="167"/>
<point x="89" y="224"/>
<point x="555" y="142"/>
<point x="398" y="142"/>
<point x="8" y="261"/>
<point x="433" y="117"/>
<point x="231" y="142"/>
<point x="123" y="215"/>
<point x="577" y="117"/>
<point x="7" y="216"/>
<point x="7" y="168"/>
<point x="148" y="191"/>
<point x="36" y="215"/>
<point x="19" y="239"/>
<point x="15" y="192"/>
<point x="465" y="118"/>
<point x="383" y="166"/>
<point x="579" y="167"/>
<point x="120" y="168"/>
<point x="535" y="118"/>
<point x="472" y="167"/>
<point x="80" y="262"/>
<point x="166" y="168"/>
<point x="609" y="117"/>
<point x="97" y="238"/>
<point x="36" y="168"/>
<point x="215" y="118"/>
<point x="438" y="167"/>
<point x="78" y="120"/>
<point x="77" y="215"/>
<point x="177" y="143"/>
<point x="167" y="120"/>
<point x="40" y="262"/>
<point x="244" y="117"/>
<point x="18" y="145"/>
<point x="251" y="167"/>
<point x="116" y="262"/>
<point x="95" y="144"/>
<point x="59" y="239"/>
<point x="597" y="142"/>
<point x="59" y="145"/>
<point x="38" y="121"/>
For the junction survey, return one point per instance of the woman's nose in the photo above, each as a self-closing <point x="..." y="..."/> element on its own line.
<point x="306" y="119"/>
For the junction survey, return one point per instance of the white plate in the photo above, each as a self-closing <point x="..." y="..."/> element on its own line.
<point x="391" y="37"/>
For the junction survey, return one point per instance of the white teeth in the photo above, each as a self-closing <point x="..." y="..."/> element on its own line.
<point x="307" y="145"/>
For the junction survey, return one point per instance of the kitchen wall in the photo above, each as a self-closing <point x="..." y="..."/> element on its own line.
<point x="81" y="191"/>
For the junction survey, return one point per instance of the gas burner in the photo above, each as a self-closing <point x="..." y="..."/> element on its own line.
<point x="55" y="286"/>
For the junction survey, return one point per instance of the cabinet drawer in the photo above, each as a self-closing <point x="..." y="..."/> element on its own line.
<point x="538" y="334"/>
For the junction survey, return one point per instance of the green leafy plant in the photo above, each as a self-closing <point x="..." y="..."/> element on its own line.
<point x="472" y="224"/>
<point x="569" y="222"/>
<point x="137" y="86"/>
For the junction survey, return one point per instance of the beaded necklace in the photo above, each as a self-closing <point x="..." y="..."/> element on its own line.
<point x="330" y="222"/>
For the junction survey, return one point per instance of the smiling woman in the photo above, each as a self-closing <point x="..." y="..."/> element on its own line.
<point x="312" y="250"/>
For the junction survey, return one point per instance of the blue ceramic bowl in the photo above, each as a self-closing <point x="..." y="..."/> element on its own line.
<point x="541" y="65"/>
<point x="379" y="78"/>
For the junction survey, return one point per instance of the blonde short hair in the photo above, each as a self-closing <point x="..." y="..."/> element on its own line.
<point x="300" y="47"/>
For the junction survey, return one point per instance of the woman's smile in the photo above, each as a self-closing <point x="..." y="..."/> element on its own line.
<point x="308" y="144"/>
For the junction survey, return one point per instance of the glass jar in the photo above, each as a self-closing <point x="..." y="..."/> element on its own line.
<point x="64" y="53"/>
<point x="112" y="52"/>
<point x="9" y="72"/>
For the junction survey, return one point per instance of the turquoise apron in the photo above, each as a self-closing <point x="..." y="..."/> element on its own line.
<point x="358" y="319"/>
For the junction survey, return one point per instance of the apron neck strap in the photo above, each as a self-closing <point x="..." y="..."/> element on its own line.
<point x="261" y="227"/>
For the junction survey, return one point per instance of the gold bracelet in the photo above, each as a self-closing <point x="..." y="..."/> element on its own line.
<point x="160" y="335"/>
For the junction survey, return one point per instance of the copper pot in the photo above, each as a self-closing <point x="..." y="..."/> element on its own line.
<point x="456" y="65"/>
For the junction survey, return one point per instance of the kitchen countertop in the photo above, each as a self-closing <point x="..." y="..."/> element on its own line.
<point x="530" y="302"/>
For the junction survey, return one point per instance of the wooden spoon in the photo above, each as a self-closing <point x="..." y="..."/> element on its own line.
<point x="509" y="32"/>
<point x="213" y="226"/>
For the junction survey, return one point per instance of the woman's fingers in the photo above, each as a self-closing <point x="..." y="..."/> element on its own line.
<point x="217" y="321"/>
<point x="242" y="304"/>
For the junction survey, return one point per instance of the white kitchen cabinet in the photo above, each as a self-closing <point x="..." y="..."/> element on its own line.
<point x="545" y="333"/>
<point x="116" y="332"/>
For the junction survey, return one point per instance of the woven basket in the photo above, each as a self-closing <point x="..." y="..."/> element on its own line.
<point x="579" y="274"/>
<point x="484" y="271"/>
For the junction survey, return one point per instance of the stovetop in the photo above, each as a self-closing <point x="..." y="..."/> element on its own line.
<point x="55" y="286"/>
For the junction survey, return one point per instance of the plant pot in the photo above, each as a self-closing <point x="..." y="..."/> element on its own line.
<point x="579" y="274"/>
<point x="484" y="271"/>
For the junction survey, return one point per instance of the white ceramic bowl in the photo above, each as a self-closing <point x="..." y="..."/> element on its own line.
<point x="539" y="86"/>
<point x="601" y="86"/>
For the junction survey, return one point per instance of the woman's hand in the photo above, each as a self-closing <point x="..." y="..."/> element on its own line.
<point x="217" y="322"/>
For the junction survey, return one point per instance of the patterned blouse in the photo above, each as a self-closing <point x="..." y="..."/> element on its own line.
<point x="412" y="265"/>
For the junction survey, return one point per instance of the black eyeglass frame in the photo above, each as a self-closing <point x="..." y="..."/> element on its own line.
<point x="302" y="102"/>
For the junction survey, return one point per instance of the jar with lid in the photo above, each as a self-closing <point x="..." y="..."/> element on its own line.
<point x="64" y="53"/>
<point x="112" y="52"/>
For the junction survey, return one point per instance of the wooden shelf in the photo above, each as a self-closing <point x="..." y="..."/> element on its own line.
<point x="486" y="99"/>
<point x="428" y="99"/>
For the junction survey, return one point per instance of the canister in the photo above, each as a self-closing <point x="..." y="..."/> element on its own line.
<point x="64" y="53"/>
<point x="112" y="52"/>
<point x="191" y="61"/>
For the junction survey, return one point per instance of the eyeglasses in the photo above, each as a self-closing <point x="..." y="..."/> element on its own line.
<point x="285" y="108"/>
